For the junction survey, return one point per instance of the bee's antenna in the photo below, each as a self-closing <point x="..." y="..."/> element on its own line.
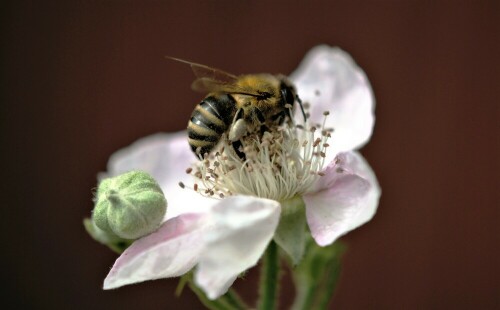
<point x="301" y="107"/>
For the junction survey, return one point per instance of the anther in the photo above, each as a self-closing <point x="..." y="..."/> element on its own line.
<point x="189" y="170"/>
<point x="326" y="113"/>
<point x="317" y="142"/>
<point x="182" y="185"/>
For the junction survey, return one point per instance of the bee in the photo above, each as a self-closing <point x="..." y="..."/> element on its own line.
<point x="236" y="105"/>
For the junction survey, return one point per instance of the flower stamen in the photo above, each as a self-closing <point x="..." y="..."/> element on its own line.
<point x="278" y="164"/>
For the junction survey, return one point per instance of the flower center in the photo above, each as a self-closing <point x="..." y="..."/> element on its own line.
<point x="282" y="162"/>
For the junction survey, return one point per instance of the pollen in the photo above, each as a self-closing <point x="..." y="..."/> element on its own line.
<point x="277" y="164"/>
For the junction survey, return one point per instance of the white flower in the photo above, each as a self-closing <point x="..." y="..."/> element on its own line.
<point x="224" y="237"/>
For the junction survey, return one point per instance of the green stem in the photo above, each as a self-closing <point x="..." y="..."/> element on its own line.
<point x="235" y="300"/>
<point x="330" y="284"/>
<point x="210" y="304"/>
<point x="269" y="278"/>
<point x="230" y="301"/>
<point x="317" y="276"/>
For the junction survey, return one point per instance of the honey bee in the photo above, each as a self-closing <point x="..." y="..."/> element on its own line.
<point x="236" y="105"/>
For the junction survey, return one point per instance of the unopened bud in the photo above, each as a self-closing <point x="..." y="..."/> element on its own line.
<point x="130" y="205"/>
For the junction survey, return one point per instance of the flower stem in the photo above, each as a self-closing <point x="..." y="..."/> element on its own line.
<point x="330" y="284"/>
<point x="317" y="275"/>
<point x="229" y="301"/>
<point x="210" y="304"/>
<point x="232" y="298"/>
<point x="269" y="279"/>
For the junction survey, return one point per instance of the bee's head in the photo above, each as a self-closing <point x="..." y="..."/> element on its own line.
<point x="289" y="95"/>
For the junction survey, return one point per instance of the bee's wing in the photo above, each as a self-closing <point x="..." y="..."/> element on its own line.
<point x="206" y="84"/>
<point x="214" y="80"/>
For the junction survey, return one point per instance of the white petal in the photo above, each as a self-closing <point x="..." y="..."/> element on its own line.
<point x="169" y="252"/>
<point x="166" y="157"/>
<point x="330" y="80"/>
<point x="243" y="227"/>
<point x="342" y="200"/>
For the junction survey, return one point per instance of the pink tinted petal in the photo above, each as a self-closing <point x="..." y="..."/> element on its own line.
<point x="169" y="252"/>
<point x="330" y="80"/>
<point x="357" y="163"/>
<point x="343" y="199"/>
<point x="166" y="157"/>
<point x="243" y="227"/>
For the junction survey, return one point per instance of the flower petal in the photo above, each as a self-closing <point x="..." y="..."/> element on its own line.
<point x="243" y="227"/>
<point x="169" y="252"/>
<point x="330" y="80"/>
<point x="166" y="157"/>
<point x="343" y="199"/>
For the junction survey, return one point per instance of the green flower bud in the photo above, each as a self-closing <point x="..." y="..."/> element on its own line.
<point x="130" y="205"/>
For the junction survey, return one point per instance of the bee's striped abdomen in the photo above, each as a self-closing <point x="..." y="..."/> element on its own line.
<point x="209" y="120"/>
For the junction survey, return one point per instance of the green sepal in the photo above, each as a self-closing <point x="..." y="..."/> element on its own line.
<point x="111" y="240"/>
<point x="316" y="276"/>
<point x="291" y="232"/>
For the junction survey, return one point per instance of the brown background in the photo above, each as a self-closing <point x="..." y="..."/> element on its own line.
<point x="81" y="79"/>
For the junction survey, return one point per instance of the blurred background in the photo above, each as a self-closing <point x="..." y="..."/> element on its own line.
<point x="82" y="79"/>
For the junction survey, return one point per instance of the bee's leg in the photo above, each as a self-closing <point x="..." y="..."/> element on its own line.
<point x="262" y="120"/>
<point x="279" y="117"/>
<point x="301" y="107"/>
<point x="238" y="126"/>
<point x="260" y="116"/>
<point x="237" y="130"/>
<point x="238" y="115"/>
<point x="238" y="149"/>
